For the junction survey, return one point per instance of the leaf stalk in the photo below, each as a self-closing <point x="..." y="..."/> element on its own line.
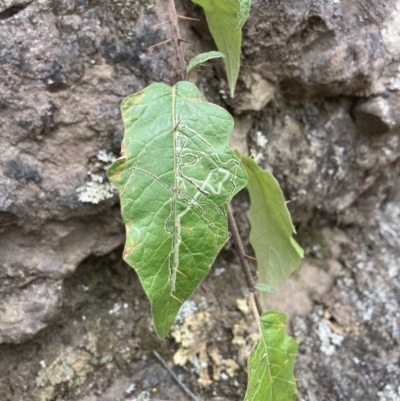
<point x="176" y="39"/>
<point x="243" y="260"/>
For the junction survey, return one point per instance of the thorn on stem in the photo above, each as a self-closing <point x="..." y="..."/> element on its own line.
<point x="188" y="18"/>
<point x="185" y="41"/>
<point x="159" y="44"/>
<point x="161" y="23"/>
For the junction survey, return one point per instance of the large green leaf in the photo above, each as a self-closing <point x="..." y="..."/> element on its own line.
<point x="175" y="179"/>
<point x="277" y="253"/>
<point x="225" y="19"/>
<point x="271" y="364"/>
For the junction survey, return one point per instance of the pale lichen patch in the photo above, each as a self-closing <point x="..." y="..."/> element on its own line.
<point x="261" y="139"/>
<point x="105" y="157"/>
<point x="389" y="393"/>
<point x="95" y="190"/>
<point x="329" y="340"/>
<point x="391" y="33"/>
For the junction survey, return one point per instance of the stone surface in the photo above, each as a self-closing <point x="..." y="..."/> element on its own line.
<point x="349" y="346"/>
<point x="317" y="103"/>
<point x="316" y="53"/>
<point x="64" y="67"/>
<point x="324" y="48"/>
<point x="26" y="311"/>
<point x="379" y="115"/>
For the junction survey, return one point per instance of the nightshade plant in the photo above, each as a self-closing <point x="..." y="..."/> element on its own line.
<point x="176" y="178"/>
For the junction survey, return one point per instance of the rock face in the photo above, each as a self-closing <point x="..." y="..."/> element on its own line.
<point x="64" y="70"/>
<point x="323" y="48"/>
<point x="317" y="103"/>
<point x="331" y="62"/>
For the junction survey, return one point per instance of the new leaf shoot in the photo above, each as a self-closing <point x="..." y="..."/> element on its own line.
<point x="202" y="58"/>
<point x="271" y="363"/>
<point x="225" y="20"/>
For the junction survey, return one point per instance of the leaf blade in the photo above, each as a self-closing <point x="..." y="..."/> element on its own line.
<point x="277" y="253"/>
<point x="224" y="20"/>
<point x="175" y="179"/>
<point x="265" y="288"/>
<point x="271" y="363"/>
<point x="202" y="58"/>
<point x="244" y="12"/>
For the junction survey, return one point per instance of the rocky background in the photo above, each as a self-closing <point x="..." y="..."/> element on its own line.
<point x="318" y="104"/>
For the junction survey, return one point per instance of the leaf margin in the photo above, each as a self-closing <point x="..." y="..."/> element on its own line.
<point x="202" y="58"/>
<point x="292" y="249"/>
<point x="164" y="314"/>
<point x="288" y="346"/>
<point x="228" y="42"/>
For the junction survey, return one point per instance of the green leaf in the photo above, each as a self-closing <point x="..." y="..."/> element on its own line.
<point x="271" y="364"/>
<point x="176" y="178"/>
<point x="297" y="247"/>
<point x="277" y="253"/>
<point x="223" y="20"/>
<point x="244" y="12"/>
<point x="265" y="288"/>
<point x="202" y="58"/>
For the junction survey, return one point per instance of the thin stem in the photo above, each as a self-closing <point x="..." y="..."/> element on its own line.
<point x="243" y="260"/>
<point x="253" y="305"/>
<point x="175" y="377"/>
<point x="176" y="39"/>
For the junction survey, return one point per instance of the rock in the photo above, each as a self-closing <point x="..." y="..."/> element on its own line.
<point x="238" y="140"/>
<point x="64" y="69"/>
<point x="391" y="32"/>
<point x="322" y="48"/>
<point x="317" y="104"/>
<point x="23" y="313"/>
<point x="10" y="7"/>
<point x="259" y="93"/>
<point x="296" y="295"/>
<point x="315" y="54"/>
<point x="378" y="115"/>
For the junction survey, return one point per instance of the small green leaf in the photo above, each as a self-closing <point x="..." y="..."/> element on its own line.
<point x="271" y="364"/>
<point x="202" y="58"/>
<point x="223" y="17"/>
<point x="298" y="248"/>
<point x="244" y="12"/>
<point x="265" y="288"/>
<point x="277" y="253"/>
<point x="176" y="178"/>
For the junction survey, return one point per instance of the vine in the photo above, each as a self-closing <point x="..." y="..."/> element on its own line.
<point x="176" y="178"/>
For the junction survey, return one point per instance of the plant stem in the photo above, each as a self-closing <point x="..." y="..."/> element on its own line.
<point x="243" y="260"/>
<point x="175" y="377"/>
<point x="176" y="39"/>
